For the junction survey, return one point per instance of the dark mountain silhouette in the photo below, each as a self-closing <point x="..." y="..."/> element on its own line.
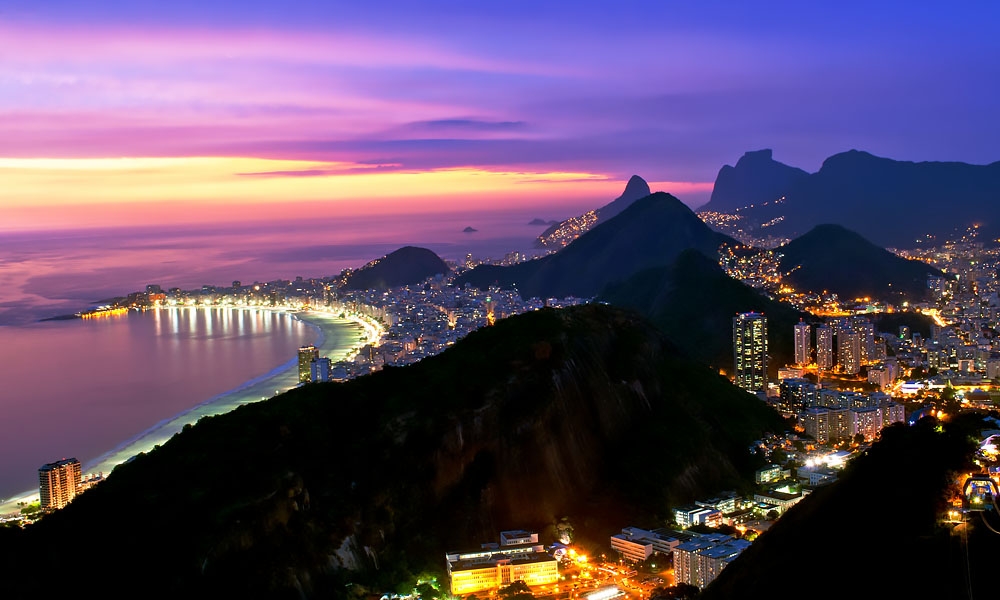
<point x="894" y="203"/>
<point x="406" y="266"/>
<point x="905" y="475"/>
<point x="693" y="302"/>
<point x="833" y="258"/>
<point x="757" y="178"/>
<point x="651" y="232"/>
<point x="332" y="489"/>
<point x="564" y="232"/>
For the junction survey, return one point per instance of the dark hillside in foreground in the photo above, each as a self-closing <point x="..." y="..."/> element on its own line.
<point x="649" y="233"/>
<point x="874" y="533"/>
<point x="337" y="488"/>
<point x="693" y="302"/>
<point x="833" y="258"/>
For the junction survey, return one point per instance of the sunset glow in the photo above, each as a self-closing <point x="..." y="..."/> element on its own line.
<point x="180" y="112"/>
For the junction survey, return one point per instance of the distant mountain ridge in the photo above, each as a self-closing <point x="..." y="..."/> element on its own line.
<point x="406" y="266"/>
<point x="893" y="203"/>
<point x="757" y="178"/>
<point x="831" y="257"/>
<point x="651" y="232"/>
<point x="562" y="233"/>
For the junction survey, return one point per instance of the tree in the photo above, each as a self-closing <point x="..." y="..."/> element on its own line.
<point x="859" y="438"/>
<point x="516" y="591"/>
<point x="681" y="591"/>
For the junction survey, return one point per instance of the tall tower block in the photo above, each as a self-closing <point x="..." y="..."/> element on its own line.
<point x="803" y="343"/>
<point x="59" y="482"/>
<point x="306" y="356"/>
<point x="750" y="351"/>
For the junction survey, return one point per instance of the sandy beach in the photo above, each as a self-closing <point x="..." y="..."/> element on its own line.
<point x="339" y="338"/>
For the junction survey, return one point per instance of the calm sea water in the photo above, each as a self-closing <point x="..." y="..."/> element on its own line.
<point x="82" y="388"/>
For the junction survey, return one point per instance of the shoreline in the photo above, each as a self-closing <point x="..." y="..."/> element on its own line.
<point x="340" y="338"/>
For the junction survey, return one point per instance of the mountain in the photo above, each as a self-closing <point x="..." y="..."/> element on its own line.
<point x="406" y="266"/>
<point x="564" y="232"/>
<point x="830" y="257"/>
<point x="693" y="302"/>
<point x="756" y="179"/>
<point x="330" y="489"/>
<point x="894" y="203"/>
<point x="651" y="232"/>
<point x="882" y="516"/>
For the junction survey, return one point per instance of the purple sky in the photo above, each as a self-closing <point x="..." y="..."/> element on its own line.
<point x="574" y="93"/>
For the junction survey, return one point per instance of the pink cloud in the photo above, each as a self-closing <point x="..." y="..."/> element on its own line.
<point x="26" y="44"/>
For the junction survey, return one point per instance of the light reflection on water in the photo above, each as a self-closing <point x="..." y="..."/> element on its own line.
<point x="80" y="388"/>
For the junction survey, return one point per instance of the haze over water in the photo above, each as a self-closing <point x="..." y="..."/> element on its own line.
<point x="44" y="274"/>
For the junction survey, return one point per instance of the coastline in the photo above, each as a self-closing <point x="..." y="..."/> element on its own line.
<point x="338" y="338"/>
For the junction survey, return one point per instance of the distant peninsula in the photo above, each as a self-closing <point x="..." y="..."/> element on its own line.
<point x="470" y="229"/>
<point x="537" y="221"/>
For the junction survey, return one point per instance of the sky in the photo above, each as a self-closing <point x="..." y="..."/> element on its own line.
<point x="129" y="113"/>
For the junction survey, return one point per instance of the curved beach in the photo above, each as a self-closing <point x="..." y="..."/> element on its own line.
<point x="338" y="338"/>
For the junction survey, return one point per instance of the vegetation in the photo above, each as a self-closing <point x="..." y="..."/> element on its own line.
<point x="888" y="499"/>
<point x="830" y="257"/>
<point x="406" y="266"/>
<point x="343" y="490"/>
<point x="693" y="302"/>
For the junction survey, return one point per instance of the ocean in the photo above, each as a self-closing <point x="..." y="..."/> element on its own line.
<point x="102" y="389"/>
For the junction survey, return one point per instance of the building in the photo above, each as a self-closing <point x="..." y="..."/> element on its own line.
<point x="306" y="356"/>
<point x="59" y="482"/>
<point x="880" y="376"/>
<point x="892" y="412"/>
<point x="694" y="514"/>
<point x="768" y="474"/>
<point x="824" y="347"/>
<point x="518" y="557"/>
<point x="865" y="330"/>
<point x="636" y="545"/>
<point x="826" y="425"/>
<point x="750" y="351"/>
<point x="803" y="343"/>
<point x="699" y="561"/>
<point x="319" y="369"/>
<point x="866" y="421"/>
<point x="849" y="351"/>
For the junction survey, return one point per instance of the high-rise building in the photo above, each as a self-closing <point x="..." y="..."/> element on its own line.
<point x="319" y="369"/>
<point x="750" y="351"/>
<point x="824" y="347"/>
<point x="849" y="351"/>
<point x="306" y="356"/>
<point x="59" y="482"/>
<point x="803" y="343"/>
<point x="866" y="338"/>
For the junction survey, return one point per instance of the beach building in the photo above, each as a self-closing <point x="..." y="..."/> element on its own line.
<point x="59" y="482"/>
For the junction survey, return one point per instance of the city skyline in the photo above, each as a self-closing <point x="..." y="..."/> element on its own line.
<point x="121" y="115"/>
